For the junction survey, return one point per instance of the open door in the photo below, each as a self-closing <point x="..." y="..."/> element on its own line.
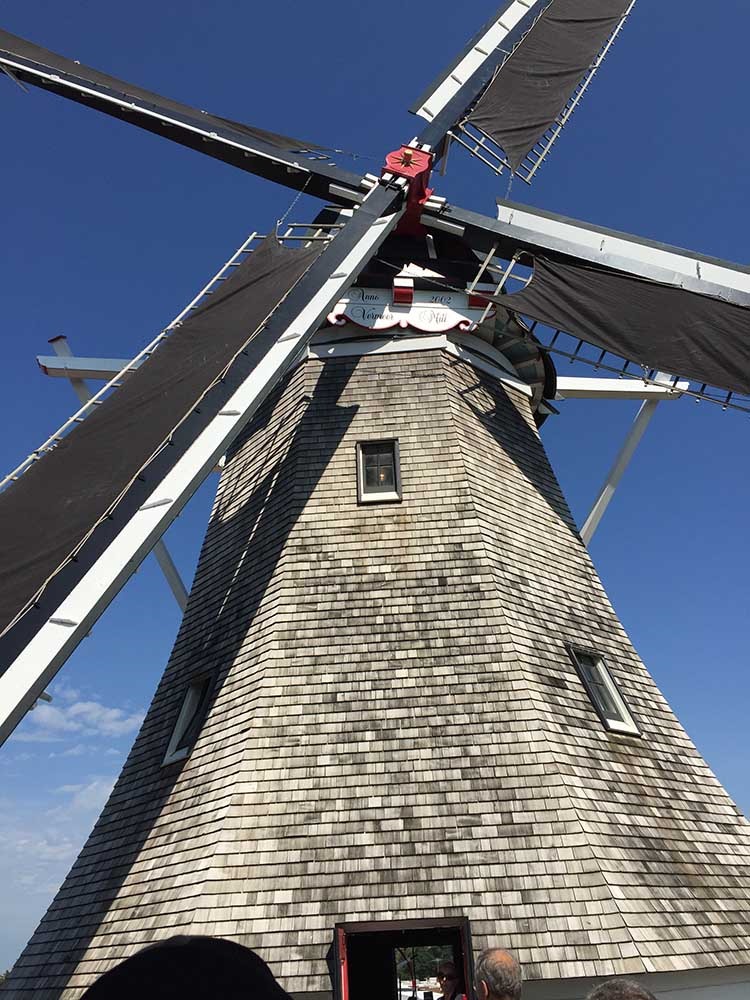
<point x="398" y="959"/>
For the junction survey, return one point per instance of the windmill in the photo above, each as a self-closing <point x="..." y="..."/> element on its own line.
<point x="483" y="235"/>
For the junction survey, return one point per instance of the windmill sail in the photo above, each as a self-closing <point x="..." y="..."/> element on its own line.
<point x="657" y="326"/>
<point x="253" y="149"/>
<point x="534" y="84"/>
<point x="650" y="303"/>
<point x="508" y="94"/>
<point x="88" y="471"/>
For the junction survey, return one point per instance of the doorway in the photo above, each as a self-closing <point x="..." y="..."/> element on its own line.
<point x="399" y="959"/>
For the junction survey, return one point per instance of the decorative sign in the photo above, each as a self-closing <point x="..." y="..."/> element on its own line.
<point x="430" y="312"/>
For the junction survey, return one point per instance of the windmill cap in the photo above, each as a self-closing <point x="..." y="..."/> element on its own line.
<point x="191" y="968"/>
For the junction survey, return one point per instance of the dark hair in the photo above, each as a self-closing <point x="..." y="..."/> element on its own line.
<point x="455" y="975"/>
<point x="620" y="989"/>
<point x="189" y="968"/>
<point x="502" y="973"/>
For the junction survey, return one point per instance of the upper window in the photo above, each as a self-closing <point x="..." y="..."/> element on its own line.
<point x="603" y="691"/>
<point x="189" y="720"/>
<point x="378" y="475"/>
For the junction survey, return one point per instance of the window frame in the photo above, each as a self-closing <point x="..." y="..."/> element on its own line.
<point x="392" y="496"/>
<point x="627" y="724"/>
<point x="189" y="715"/>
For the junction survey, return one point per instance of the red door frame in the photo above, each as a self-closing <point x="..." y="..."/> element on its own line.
<point x="461" y="924"/>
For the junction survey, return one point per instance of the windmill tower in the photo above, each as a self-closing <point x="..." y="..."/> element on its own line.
<point x="387" y="526"/>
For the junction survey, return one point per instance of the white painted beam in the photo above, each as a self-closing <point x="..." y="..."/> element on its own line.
<point x="483" y="48"/>
<point x="616" y="388"/>
<point x="71" y="367"/>
<point x="621" y="251"/>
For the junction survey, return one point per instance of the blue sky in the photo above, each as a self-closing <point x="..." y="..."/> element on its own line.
<point x="107" y="232"/>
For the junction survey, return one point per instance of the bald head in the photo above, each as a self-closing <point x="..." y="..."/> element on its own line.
<point x="498" y="975"/>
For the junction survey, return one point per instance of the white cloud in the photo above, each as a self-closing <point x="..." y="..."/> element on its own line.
<point x="53" y="723"/>
<point x="63" y="692"/>
<point x="88" y="797"/>
<point x="40" y="847"/>
<point x="77" y="750"/>
<point x="37" y="853"/>
<point x="96" y="717"/>
<point x="68" y="789"/>
<point x="43" y="827"/>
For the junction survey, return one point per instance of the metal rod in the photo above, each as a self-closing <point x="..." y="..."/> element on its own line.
<point x="483" y="140"/>
<point x="472" y="152"/>
<point x="641" y="422"/>
<point x="483" y="267"/>
<point x="171" y="573"/>
<point x="490" y="304"/>
<point x="15" y="79"/>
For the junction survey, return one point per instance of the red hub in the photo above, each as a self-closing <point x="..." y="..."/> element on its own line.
<point x="415" y="165"/>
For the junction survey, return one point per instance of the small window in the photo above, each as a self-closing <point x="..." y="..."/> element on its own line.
<point x="189" y="720"/>
<point x="603" y="692"/>
<point x="378" y="475"/>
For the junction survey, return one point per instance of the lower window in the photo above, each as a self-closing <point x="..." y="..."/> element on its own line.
<point x="192" y="713"/>
<point x="603" y="691"/>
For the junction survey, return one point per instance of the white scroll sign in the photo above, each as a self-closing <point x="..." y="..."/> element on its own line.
<point x="430" y="312"/>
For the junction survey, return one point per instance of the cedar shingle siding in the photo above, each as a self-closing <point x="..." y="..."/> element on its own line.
<point x="322" y="786"/>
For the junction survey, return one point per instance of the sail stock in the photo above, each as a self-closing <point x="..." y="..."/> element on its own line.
<point x="292" y="162"/>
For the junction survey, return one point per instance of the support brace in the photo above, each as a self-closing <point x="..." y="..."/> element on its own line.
<point x="637" y="430"/>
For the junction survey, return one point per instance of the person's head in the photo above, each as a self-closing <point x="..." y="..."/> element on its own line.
<point x="447" y="977"/>
<point x="620" y="989"/>
<point x="498" y="975"/>
<point x="189" y="968"/>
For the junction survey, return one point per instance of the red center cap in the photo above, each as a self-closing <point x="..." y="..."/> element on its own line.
<point x="415" y="165"/>
<point x="408" y="162"/>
